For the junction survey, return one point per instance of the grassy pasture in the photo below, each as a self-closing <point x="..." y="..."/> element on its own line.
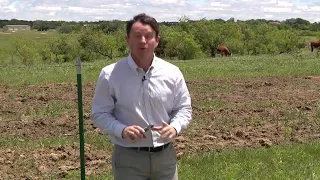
<point x="304" y="63"/>
<point x="7" y="37"/>
<point x="7" y="50"/>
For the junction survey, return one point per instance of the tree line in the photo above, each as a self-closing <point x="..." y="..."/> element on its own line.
<point x="295" y="23"/>
<point x="185" y="39"/>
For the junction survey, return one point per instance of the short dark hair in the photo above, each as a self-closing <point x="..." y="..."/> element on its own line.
<point x="146" y="20"/>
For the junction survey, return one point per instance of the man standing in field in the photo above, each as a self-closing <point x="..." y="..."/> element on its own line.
<point x="142" y="103"/>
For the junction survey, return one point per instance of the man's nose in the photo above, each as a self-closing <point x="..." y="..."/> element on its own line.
<point x="143" y="39"/>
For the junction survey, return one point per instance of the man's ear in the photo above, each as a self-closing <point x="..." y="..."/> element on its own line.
<point x="158" y="40"/>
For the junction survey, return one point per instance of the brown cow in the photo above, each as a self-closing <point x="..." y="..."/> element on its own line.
<point x="223" y="50"/>
<point x="314" y="44"/>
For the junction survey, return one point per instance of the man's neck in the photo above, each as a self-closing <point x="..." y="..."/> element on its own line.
<point x="143" y="63"/>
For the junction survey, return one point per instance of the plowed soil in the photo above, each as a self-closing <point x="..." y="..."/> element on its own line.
<point x="39" y="124"/>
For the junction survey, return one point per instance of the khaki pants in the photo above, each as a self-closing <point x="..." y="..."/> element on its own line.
<point x="130" y="164"/>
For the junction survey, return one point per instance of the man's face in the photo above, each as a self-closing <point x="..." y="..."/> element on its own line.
<point x="142" y="40"/>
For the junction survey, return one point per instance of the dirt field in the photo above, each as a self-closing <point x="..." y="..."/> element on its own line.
<point x="250" y="112"/>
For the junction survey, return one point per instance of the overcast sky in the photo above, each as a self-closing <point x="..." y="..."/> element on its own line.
<point x="162" y="10"/>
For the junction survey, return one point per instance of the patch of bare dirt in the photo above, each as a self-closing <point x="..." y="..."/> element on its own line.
<point x="250" y="112"/>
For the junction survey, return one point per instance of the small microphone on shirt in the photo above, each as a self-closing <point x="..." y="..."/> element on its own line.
<point x="144" y="78"/>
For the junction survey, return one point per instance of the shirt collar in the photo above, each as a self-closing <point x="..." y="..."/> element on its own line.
<point x="133" y="66"/>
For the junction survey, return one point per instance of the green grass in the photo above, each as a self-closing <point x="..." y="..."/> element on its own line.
<point x="20" y="76"/>
<point x="53" y="110"/>
<point x="241" y="66"/>
<point x="264" y="65"/>
<point x="212" y="103"/>
<point x="279" y="163"/>
<point x="282" y="162"/>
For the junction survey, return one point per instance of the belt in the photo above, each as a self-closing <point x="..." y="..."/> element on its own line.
<point x="151" y="149"/>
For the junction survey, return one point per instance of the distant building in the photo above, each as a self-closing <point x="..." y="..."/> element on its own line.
<point x="16" y="27"/>
<point x="275" y="22"/>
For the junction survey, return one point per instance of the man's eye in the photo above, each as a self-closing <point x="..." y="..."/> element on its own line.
<point x="149" y="36"/>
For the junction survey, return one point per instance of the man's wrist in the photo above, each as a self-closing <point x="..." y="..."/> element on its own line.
<point x="176" y="127"/>
<point x="118" y="130"/>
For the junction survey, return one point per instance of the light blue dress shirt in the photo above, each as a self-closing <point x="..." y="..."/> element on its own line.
<point x="126" y="95"/>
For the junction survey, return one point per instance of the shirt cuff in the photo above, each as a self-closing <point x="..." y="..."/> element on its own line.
<point x="118" y="130"/>
<point x="176" y="125"/>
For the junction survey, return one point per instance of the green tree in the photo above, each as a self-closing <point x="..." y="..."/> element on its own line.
<point x="64" y="48"/>
<point x="231" y="36"/>
<point x="25" y="50"/>
<point x="208" y="35"/>
<point x="96" y="42"/>
<point x="65" y="29"/>
<point x="181" y="45"/>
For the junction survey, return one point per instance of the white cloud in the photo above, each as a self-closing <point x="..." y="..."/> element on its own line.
<point x="218" y="4"/>
<point x="212" y="9"/>
<point x="80" y="9"/>
<point x="285" y="3"/>
<point x="316" y="9"/>
<point x="162" y="10"/>
<point x="168" y="2"/>
<point x="277" y="9"/>
<point x="268" y="16"/>
<point x="302" y="8"/>
<point x="297" y="11"/>
<point x="46" y="8"/>
<point x="51" y="14"/>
